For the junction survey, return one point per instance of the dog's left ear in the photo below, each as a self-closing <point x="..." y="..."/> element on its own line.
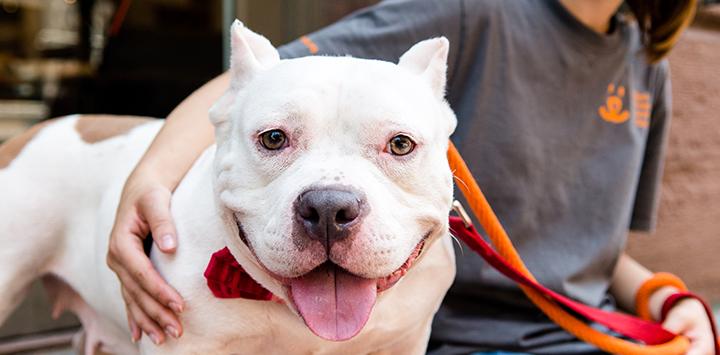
<point x="429" y="59"/>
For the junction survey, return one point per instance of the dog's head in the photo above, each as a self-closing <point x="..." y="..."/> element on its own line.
<point x="334" y="170"/>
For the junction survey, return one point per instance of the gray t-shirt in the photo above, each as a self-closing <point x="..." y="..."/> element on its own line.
<point x="564" y="130"/>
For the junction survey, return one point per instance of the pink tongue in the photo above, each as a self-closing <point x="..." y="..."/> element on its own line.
<point x="334" y="304"/>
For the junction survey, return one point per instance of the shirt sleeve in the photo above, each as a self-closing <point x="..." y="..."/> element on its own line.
<point x="385" y="31"/>
<point x="647" y="198"/>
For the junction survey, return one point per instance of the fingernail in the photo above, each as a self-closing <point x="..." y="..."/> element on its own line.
<point x="155" y="339"/>
<point x="167" y="241"/>
<point x="135" y="335"/>
<point x="170" y="330"/>
<point x="175" y="307"/>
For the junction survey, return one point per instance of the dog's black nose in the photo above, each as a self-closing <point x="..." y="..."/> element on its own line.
<point x="327" y="214"/>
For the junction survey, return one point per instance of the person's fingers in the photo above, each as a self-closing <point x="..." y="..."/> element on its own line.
<point x="688" y="319"/>
<point x="700" y="350"/>
<point x="144" y="322"/>
<point x="149" y="299"/>
<point x="702" y="339"/>
<point x="133" y="267"/>
<point x="135" y="333"/>
<point x="162" y="316"/>
<point x="677" y="324"/>
<point x="120" y="240"/>
<point x="701" y="346"/>
<point x="155" y="209"/>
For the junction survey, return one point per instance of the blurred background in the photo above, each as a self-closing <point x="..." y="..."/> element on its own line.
<point x="128" y="57"/>
<point x="143" y="57"/>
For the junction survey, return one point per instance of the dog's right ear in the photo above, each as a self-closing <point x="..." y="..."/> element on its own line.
<point x="251" y="53"/>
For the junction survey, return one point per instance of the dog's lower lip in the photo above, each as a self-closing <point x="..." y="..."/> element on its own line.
<point x="390" y="280"/>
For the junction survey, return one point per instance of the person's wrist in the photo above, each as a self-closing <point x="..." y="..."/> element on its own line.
<point x="653" y="292"/>
<point x="657" y="299"/>
<point x="149" y="175"/>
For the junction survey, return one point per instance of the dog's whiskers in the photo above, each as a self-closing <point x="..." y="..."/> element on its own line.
<point x="457" y="241"/>
<point x="455" y="177"/>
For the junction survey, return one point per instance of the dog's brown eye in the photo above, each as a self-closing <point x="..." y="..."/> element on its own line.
<point x="273" y="140"/>
<point x="401" y="145"/>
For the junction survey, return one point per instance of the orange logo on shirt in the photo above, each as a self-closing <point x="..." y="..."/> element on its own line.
<point x="613" y="111"/>
<point x="643" y="106"/>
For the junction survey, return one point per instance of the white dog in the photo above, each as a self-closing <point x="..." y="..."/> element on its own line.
<point x="329" y="182"/>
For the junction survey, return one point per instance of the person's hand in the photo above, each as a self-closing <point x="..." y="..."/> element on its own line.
<point x="152" y="305"/>
<point x="688" y="318"/>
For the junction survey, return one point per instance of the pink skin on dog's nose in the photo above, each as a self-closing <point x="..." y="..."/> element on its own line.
<point x="334" y="304"/>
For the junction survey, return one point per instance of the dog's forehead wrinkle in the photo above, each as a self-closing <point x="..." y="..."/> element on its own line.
<point x="379" y="114"/>
<point x="267" y="108"/>
<point x="285" y="115"/>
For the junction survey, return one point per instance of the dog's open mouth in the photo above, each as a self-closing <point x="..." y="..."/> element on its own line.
<point x="336" y="304"/>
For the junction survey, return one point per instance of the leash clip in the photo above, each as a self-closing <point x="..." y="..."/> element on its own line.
<point x="460" y="210"/>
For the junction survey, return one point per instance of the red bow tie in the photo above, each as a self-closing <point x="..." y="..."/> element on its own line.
<point x="227" y="279"/>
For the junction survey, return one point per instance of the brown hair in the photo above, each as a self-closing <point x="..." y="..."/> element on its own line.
<point x="661" y="22"/>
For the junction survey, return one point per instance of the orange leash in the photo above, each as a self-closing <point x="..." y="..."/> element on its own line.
<point x="499" y="238"/>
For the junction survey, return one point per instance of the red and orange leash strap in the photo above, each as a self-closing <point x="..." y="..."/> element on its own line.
<point x="499" y="238"/>
<point x="626" y="325"/>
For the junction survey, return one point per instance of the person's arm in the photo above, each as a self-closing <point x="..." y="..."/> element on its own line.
<point x="687" y="317"/>
<point x="186" y="134"/>
<point x="628" y="277"/>
<point x="145" y="208"/>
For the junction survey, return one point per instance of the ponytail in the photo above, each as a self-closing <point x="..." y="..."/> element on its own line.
<point x="661" y="22"/>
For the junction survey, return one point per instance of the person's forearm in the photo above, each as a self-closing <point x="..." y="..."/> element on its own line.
<point x="628" y="277"/>
<point x="186" y="134"/>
